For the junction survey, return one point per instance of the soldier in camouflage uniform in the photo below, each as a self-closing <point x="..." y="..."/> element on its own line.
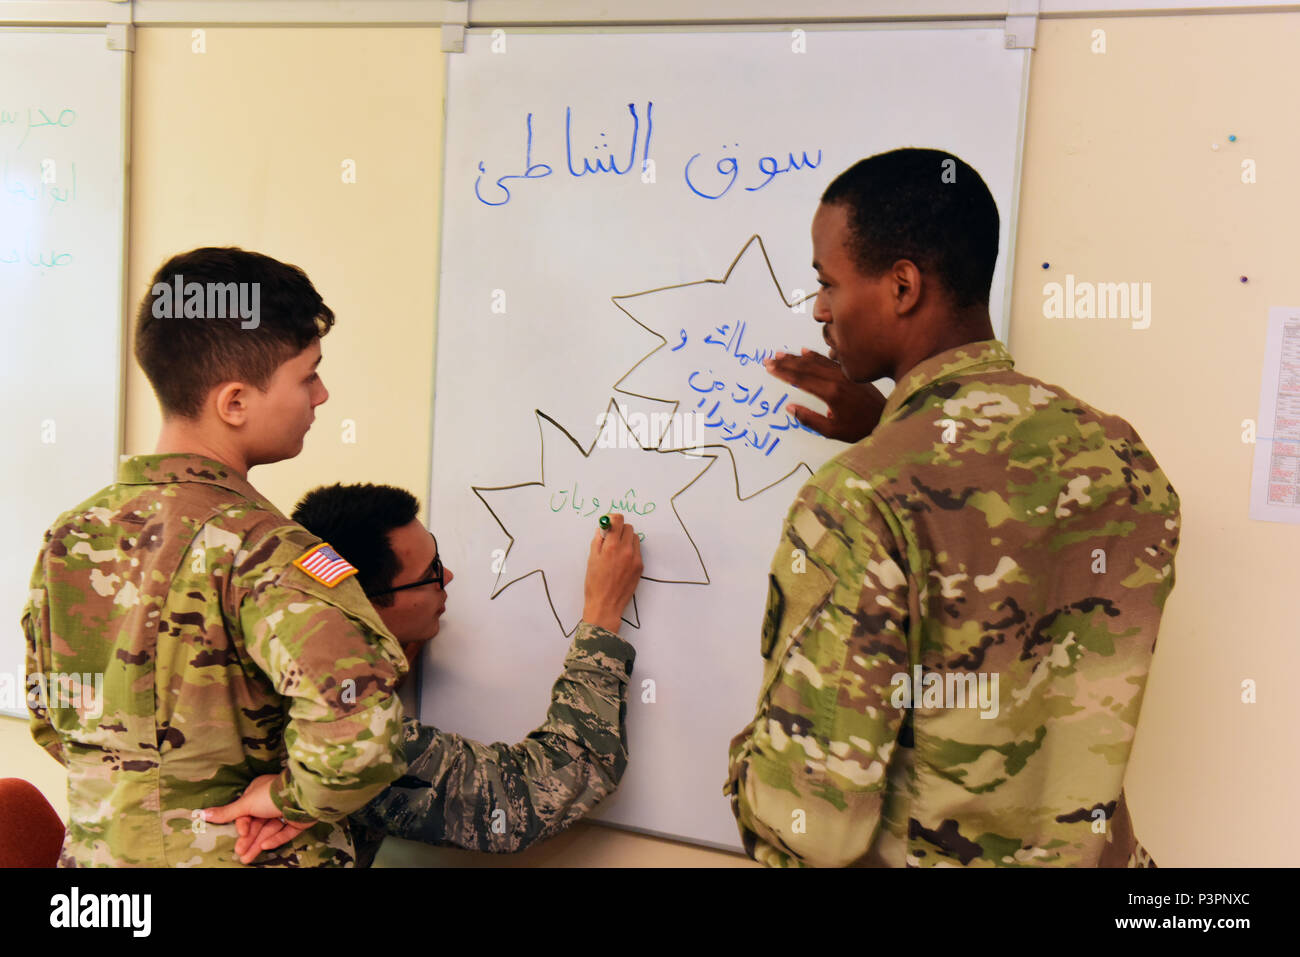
<point x="456" y="791"/>
<point x="233" y="648"/>
<point x="990" y="525"/>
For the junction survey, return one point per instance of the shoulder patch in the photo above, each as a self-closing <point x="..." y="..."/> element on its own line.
<point x="325" y="565"/>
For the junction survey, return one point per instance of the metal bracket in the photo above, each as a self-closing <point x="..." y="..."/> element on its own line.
<point x="1022" y="24"/>
<point x="453" y="30"/>
<point x="121" y="36"/>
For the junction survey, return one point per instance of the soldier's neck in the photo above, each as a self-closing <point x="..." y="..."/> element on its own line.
<point x="185" y="437"/>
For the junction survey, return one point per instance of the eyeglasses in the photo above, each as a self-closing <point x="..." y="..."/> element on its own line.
<point x="436" y="577"/>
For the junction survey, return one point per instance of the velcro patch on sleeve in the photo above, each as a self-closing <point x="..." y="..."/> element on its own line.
<point x="325" y="565"/>
<point x="809" y="528"/>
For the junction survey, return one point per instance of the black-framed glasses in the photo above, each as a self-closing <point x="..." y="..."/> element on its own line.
<point x="435" y="577"/>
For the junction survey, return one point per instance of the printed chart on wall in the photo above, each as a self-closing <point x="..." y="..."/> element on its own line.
<point x="62" y="192"/>
<point x="1275" y="479"/>
<point x="626" y="235"/>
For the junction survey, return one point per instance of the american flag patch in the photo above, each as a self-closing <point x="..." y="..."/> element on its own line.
<point x="325" y="565"/>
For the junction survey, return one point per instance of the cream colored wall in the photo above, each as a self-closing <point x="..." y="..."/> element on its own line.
<point x="1120" y="184"/>
<point x="243" y="145"/>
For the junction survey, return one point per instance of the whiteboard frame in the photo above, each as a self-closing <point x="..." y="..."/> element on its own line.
<point x="123" y="228"/>
<point x="1008" y="267"/>
<point x="504" y="13"/>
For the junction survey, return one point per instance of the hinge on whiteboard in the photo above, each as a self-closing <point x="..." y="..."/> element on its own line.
<point x="1022" y="24"/>
<point x="121" y="36"/>
<point x="453" y="28"/>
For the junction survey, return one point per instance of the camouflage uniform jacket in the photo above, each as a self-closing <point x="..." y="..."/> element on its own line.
<point x="501" y="797"/>
<point x="1011" y="547"/>
<point x="220" y="660"/>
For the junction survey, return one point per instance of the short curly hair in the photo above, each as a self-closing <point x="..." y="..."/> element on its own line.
<point x="927" y="206"/>
<point x="356" y="520"/>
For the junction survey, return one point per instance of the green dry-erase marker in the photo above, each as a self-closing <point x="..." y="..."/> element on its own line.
<point x="605" y="522"/>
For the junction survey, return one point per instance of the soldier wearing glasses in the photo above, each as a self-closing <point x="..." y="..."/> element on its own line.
<point x="486" y="797"/>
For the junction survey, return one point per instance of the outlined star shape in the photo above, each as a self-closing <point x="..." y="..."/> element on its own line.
<point x="554" y="519"/>
<point x="714" y="335"/>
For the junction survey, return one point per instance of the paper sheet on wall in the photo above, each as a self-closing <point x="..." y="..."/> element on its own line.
<point x="1275" y="483"/>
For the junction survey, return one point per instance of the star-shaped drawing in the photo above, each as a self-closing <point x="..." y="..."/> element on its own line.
<point x="715" y="333"/>
<point x="550" y="523"/>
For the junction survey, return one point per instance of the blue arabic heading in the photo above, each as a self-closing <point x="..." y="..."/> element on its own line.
<point x="705" y="181"/>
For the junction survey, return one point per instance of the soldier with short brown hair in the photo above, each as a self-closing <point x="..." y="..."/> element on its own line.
<point x="234" y="648"/>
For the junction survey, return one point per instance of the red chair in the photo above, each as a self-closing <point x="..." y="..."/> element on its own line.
<point x="31" y="832"/>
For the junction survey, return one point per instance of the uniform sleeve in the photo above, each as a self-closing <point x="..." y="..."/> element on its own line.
<point x="36" y="633"/>
<point x="326" y="650"/>
<point x="807" y="777"/>
<point x="500" y="797"/>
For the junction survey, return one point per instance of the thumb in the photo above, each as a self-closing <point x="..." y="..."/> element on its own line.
<point x="227" y="812"/>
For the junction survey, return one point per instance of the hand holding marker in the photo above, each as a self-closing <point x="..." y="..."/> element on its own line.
<point x="613" y="569"/>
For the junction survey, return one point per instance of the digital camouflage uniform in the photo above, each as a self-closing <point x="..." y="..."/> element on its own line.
<point x="504" y="798"/>
<point x="990" y="523"/>
<point x="221" y="661"/>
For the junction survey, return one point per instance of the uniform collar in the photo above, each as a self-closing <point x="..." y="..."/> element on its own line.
<point x="166" y="468"/>
<point x="987" y="355"/>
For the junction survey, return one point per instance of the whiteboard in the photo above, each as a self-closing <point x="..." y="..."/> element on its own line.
<point x="62" y="190"/>
<point x="583" y="290"/>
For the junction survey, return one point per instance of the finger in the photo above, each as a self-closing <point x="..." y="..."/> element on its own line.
<point x="255" y="826"/>
<point x="603" y="534"/>
<point x="284" y="836"/>
<point x="270" y="831"/>
<point x="818" y="423"/>
<point x="241" y="826"/>
<point x="224" y="814"/>
<point x="253" y="847"/>
<point x="811" y="371"/>
<point x="249" y="840"/>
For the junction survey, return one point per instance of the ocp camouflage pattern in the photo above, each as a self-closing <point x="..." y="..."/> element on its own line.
<point x="501" y="797"/>
<point x="991" y="524"/>
<point x="221" y="660"/>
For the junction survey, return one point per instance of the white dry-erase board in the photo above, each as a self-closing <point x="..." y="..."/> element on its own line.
<point x="63" y="123"/>
<point x="599" y="187"/>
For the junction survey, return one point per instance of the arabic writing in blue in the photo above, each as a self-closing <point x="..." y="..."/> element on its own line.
<point x="598" y="164"/>
<point x="604" y="159"/>
<point x="729" y="167"/>
<point x="751" y="405"/>
<point x="732" y="346"/>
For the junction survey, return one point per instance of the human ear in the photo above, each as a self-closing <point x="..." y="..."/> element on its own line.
<point x="905" y="285"/>
<point x="231" y="403"/>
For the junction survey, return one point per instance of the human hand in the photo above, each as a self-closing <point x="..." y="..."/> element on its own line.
<point x="852" y="408"/>
<point x="613" y="570"/>
<point x="257" y="820"/>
